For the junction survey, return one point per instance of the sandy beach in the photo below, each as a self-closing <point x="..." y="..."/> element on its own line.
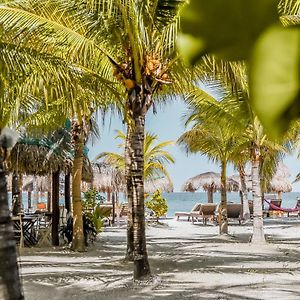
<point x="188" y="262"/>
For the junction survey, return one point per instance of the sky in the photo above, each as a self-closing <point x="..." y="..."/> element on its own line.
<point x="167" y="123"/>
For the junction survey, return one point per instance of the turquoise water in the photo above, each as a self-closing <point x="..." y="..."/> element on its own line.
<point x="185" y="201"/>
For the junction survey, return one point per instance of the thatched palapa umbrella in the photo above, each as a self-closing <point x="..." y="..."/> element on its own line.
<point x="280" y="183"/>
<point x="210" y="182"/>
<point x="163" y="184"/>
<point x="110" y="180"/>
<point x="107" y="178"/>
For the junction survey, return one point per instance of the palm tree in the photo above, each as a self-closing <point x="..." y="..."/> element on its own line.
<point x="9" y="273"/>
<point x="155" y="157"/>
<point x="132" y="40"/>
<point x="216" y="141"/>
<point x="235" y="114"/>
<point x="75" y="91"/>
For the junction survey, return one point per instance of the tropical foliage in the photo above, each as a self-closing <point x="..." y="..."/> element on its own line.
<point x="270" y="48"/>
<point x="155" y="157"/>
<point x="157" y="204"/>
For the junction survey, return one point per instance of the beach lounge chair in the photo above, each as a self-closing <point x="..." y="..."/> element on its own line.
<point x="234" y="211"/>
<point x="207" y="211"/>
<point x="196" y="208"/>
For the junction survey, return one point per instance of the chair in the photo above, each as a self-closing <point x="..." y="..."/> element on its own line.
<point x="195" y="208"/>
<point x="18" y="230"/>
<point x="234" y="211"/>
<point x="207" y="211"/>
<point x="44" y="231"/>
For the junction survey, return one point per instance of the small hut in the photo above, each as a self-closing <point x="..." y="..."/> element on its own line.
<point x="209" y="182"/>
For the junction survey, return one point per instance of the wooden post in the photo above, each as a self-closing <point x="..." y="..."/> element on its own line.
<point x="29" y="198"/>
<point x="55" y="208"/>
<point x="67" y="192"/>
<point x="113" y="207"/>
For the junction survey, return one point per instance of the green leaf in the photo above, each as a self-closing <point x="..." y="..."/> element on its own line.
<point x="227" y="29"/>
<point x="275" y="78"/>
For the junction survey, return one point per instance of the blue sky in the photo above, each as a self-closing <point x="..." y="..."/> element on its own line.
<point x="168" y="125"/>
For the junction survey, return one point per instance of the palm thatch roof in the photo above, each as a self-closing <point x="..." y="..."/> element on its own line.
<point x="39" y="183"/>
<point x="280" y="182"/>
<point x="37" y="160"/>
<point x="208" y="181"/>
<point x="41" y="161"/>
<point x="107" y="178"/>
<point x="163" y="184"/>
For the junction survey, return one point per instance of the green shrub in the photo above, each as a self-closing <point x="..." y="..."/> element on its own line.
<point x="91" y="206"/>
<point x="157" y="204"/>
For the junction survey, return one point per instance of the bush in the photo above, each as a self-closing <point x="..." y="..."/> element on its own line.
<point x="91" y="206"/>
<point x="157" y="204"/>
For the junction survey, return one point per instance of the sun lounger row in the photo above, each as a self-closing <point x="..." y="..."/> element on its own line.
<point x="208" y="211"/>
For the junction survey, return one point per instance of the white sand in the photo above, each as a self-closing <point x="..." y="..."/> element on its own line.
<point x="188" y="262"/>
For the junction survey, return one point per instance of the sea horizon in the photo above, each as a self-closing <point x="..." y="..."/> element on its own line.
<point x="184" y="201"/>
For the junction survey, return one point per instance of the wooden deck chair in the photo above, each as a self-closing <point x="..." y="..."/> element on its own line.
<point x="44" y="232"/>
<point x="195" y="208"/>
<point x="234" y="211"/>
<point x="207" y="211"/>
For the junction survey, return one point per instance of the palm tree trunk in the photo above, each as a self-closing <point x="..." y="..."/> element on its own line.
<point x="10" y="283"/>
<point x="258" y="230"/>
<point x="141" y="264"/>
<point x="210" y="194"/>
<point x="246" y="211"/>
<point x="129" y="189"/>
<point x="223" y="221"/>
<point x="16" y="193"/>
<point x="55" y="208"/>
<point x="78" y="235"/>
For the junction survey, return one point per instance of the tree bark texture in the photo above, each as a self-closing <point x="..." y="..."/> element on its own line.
<point x="141" y="264"/>
<point x="55" y="208"/>
<point x="16" y="193"/>
<point x="223" y="220"/>
<point x="67" y="192"/>
<point x="129" y="190"/>
<point x="258" y="230"/>
<point x="78" y="235"/>
<point x="244" y="193"/>
<point x="10" y="283"/>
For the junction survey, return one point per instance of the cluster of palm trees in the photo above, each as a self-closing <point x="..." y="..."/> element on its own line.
<point x="69" y="59"/>
<point x="229" y="131"/>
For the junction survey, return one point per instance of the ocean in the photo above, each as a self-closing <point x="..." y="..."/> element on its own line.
<point x="185" y="201"/>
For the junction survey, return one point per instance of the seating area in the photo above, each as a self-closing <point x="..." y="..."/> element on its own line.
<point x="195" y="209"/>
<point x="209" y="211"/>
<point x="206" y="212"/>
<point x="32" y="229"/>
